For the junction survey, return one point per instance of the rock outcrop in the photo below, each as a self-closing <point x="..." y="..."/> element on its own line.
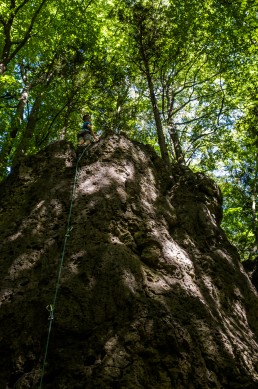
<point x="151" y="294"/>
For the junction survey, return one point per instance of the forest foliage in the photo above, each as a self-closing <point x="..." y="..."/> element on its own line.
<point x="179" y="75"/>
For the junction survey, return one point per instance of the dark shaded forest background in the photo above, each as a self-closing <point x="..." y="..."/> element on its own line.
<point x="179" y="75"/>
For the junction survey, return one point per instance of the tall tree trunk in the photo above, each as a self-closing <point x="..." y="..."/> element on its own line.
<point x="66" y="119"/>
<point x="254" y="249"/>
<point x="29" y="131"/>
<point x="179" y="155"/>
<point x="15" y="127"/>
<point x="2" y="67"/>
<point x="174" y="136"/>
<point x="254" y="186"/>
<point x="7" y="44"/>
<point x="156" y="112"/>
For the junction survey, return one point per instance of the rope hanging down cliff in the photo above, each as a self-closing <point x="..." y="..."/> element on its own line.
<point x="51" y="307"/>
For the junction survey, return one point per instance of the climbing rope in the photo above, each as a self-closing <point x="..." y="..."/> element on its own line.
<point x="51" y="307"/>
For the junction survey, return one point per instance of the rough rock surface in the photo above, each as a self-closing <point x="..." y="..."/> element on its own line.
<point x="151" y="295"/>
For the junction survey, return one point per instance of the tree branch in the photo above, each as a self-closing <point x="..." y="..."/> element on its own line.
<point x="20" y="6"/>
<point x="27" y="34"/>
<point x="192" y="120"/>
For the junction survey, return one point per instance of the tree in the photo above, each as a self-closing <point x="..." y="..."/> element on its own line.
<point x="240" y="186"/>
<point x="175" y="74"/>
<point x="16" y="33"/>
<point x="173" y="55"/>
<point x="47" y="69"/>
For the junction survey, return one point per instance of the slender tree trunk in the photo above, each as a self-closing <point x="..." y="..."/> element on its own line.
<point x="254" y="187"/>
<point x="7" y="44"/>
<point x="15" y="127"/>
<point x="254" y="250"/>
<point x="160" y="133"/>
<point x="179" y="155"/>
<point x="66" y="120"/>
<point x="170" y="98"/>
<point x="16" y="124"/>
<point x="156" y="112"/>
<point x="2" y="68"/>
<point x="29" y="131"/>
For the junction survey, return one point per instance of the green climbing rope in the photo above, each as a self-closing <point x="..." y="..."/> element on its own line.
<point x="51" y="307"/>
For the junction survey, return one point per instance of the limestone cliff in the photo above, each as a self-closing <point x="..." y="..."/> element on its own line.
<point x="151" y="295"/>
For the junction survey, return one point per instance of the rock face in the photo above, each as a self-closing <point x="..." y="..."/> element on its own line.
<point x="151" y="293"/>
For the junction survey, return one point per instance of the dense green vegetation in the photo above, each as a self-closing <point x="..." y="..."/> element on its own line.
<point x="180" y="75"/>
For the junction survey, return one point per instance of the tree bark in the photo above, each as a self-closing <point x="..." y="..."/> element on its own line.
<point x="156" y="112"/>
<point x="254" y="211"/>
<point x="160" y="133"/>
<point x="29" y="130"/>
<point x="15" y="128"/>
<point x="179" y="155"/>
<point x="146" y="70"/>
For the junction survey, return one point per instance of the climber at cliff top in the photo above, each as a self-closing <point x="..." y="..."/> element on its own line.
<point x="86" y="135"/>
